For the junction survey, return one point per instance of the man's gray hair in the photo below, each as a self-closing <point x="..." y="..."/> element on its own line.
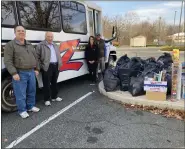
<point x="48" y="32"/>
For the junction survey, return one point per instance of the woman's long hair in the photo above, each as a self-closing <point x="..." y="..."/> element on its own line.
<point x="89" y="44"/>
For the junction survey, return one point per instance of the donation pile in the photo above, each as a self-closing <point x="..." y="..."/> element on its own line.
<point x="129" y="74"/>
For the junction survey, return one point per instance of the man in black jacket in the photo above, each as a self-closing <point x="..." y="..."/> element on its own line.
<point x="101" y="47"/>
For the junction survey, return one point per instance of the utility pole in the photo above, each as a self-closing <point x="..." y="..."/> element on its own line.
<point x="174" y="22"/>
<point x="173" y="32"/>
<point x="159" y="29"/>
<point x="180" y="22"/>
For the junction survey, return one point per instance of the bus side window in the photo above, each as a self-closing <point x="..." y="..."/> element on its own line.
<point x="7" y="13"/>
<point x="91" y="22"/>
<point x="97" y="23"/>
<point x="40" y="15"/>
<point x="74" y="17"/>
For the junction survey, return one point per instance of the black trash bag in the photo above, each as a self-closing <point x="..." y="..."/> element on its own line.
<point x="136" y="64"/>
<point x="122" y="60"/>
<point x="168" y="78"/>
<point x="161" y="65"/>
<point x="111" y="82"/>
<point x="150" y="74"/>
<point x="166" y="59"/>
<point x="124" y="76"/>
<point x="149" y="64"/>
<point x="115" y="72"/>
<point x="128" y="70"/>
<point x="150" y="60"/>
<point x="123" y="66"/>
<point x="165" y="56"/>
<point x="136" y="87"/>
<point x="149" y="69"/>
<point x="152" y="67"/>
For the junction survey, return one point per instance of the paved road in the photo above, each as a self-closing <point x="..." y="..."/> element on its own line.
<point x="94" y="122"/>
<point x="144" y="52"/>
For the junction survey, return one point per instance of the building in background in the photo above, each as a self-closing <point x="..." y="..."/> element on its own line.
<point x="177" y="40"/>
<point x="138" y="41"/>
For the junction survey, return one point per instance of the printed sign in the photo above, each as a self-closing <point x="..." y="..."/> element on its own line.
<point x="158" y="83"/>
<point x="156" y="86"/>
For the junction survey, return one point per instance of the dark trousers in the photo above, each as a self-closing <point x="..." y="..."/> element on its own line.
<point x="50" y="78"/>
<point x="92" y="70"/>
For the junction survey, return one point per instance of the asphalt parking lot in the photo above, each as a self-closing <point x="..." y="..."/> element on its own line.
<point x="144" y="52"/>
<point x="93" y="122"/>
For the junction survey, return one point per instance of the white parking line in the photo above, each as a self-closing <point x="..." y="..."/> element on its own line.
<point x="18" y="140"/>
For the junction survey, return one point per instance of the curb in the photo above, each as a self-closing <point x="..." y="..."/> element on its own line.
<point x="126" y="97"/>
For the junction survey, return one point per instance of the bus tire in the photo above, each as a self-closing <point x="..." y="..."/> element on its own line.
<point x="111" y="62"/>
<point x="8" y="103"/>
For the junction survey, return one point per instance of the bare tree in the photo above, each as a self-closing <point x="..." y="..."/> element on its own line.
<point x="39" y="14"/>
<point x="118" y="21"/>
<point x="7" y="12"/>
<point x="106" y="23"/>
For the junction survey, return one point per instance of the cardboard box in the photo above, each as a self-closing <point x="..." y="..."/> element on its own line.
<point x="157" y="96"/>
<point x="155" y="90"/>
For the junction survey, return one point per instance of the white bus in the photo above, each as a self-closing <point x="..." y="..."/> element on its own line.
<point x="71" y="22"/>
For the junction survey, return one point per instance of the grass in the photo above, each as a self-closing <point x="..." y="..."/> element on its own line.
<point x="115" y="43"/>
<point x="170" y="48"/>
<point x="152" y="45"/>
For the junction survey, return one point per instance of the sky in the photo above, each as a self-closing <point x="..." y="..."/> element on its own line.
<point x="146" y="10"/>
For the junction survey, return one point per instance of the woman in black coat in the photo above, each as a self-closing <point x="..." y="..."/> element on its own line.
<point x="92" y="55"/>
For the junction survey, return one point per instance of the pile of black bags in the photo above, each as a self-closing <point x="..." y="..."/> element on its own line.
<point x="129" y="69"/>
<point x="129" y="73"/>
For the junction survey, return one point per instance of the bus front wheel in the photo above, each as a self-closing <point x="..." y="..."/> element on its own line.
<point x="8" y="103"/>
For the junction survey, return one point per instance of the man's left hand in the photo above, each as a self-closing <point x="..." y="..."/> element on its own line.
<point x="36" y="73"/>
